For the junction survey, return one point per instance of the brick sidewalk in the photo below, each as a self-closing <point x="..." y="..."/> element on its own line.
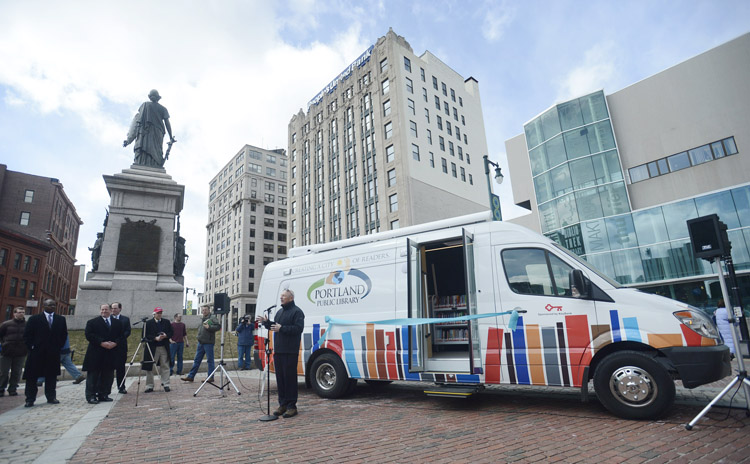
<point x="399" y="423"/>
<point x="393" y="423"/>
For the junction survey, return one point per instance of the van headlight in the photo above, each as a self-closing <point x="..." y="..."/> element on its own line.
<point x="698" y="322"/>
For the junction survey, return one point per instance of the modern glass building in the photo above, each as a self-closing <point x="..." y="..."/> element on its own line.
<point x="615" y="178"/>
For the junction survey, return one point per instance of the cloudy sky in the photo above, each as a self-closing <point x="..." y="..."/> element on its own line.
<point x="231" y="72"/>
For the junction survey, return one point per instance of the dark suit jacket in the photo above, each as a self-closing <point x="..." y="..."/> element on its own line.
<point x="122" y="344"/>
<point x="44" y="344"/>
<point x="98" y="358"/>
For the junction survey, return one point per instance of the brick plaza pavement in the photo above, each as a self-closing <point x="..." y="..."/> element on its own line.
<point x="396" y="423"/>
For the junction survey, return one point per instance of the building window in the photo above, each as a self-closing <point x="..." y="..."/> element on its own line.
<point x="388" y="130"/>
<point x="385" y="86"/>
<point x="421" y="73"/>
<point x="389" y="154"/>
<point x="445" y="89"/>
<point x="448" y="128"/>
<point x="453" y="169"/>
<point x="447" y="109"/>
<point x="424" y="93"/>
<point x="434" y="82"/>
<point x="439" y="122"/>
<point x="437" y="102"/>
<point x="427" y="115"/>
<point x="17" y="261"/>
<point x="13" y="286"/>
<point x="444" y="163"/>
<point x="3" y="256"/>
<point x="432" y="160"/>
<point x="415" y="151"/>
<point x="453" y="95"/>
<point x="267" y="248"/>
<point x="409" y="85"/>
<point x="384" y="65"/>
<point x="463" y="174"/>
<point x="410" y="105"/>
<point x="460" y="102"/>
<point x="391" y="178"/>
<point x="28" y="196"/>
<point x="471" y="180"/>
<point x="441" y="142"/>
<point x="413" y="128"/>
<point x="394" y="224"/>
<point x="429" y="136"/>
<point x="692" y="157"/>
<point x="407" y="64"/>
<point x="393" y="203"/>
<point x="25" y="215"/>
<point x="450" y="149"/>
<point x="386" y="108"/>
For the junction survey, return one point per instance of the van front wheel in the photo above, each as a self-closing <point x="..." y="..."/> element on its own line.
<point x="329" y="379"/>
<point x="633" y="385"/>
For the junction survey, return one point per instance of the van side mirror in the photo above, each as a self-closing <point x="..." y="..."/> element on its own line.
<point x="579" y="285"/>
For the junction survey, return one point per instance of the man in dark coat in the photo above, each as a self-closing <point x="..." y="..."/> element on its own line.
<point x="103" y="333"/>
<point x="287" y="326"/>
<point x="14" y="351"/>
<point x="45" y="335"/>
<point x="121" y="351"/>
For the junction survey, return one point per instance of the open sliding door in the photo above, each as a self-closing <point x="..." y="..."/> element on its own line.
<point x="475" y="348"/>
<point x="416" y="306"/>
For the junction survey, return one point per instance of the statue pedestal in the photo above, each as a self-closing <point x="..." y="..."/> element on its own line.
<point x="136" y="264"/>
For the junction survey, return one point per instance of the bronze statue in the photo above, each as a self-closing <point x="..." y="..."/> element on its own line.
<point x="180" y="258"/>
<point x="147" y="130"/>
<point x="96" y="251"/>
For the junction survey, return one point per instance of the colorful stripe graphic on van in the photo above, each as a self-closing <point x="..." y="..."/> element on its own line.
<point x="534" y="354"/>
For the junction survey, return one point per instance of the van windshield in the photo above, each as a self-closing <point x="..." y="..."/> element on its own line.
<point x="588" y="265"/>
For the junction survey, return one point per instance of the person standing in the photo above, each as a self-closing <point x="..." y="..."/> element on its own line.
<point x="206" y="340"/>
<point x="724" y="326"/>
<point x="158" y="333"/>
<point x="14" y="351"/>
<point x="177" y="345"/>
<point x="103" y="333"/>
<point x="245" y="343"/>
<point x="44" y="335"/>
<point x="121" y="351"/>
<point x="287" y="326"/>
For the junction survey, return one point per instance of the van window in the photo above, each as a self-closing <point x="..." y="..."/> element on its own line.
<point x="533" y="271"/>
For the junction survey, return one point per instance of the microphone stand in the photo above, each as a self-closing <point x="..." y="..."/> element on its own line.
<point x="268" y="417"/>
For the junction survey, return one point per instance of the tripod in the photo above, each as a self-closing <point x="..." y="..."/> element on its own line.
<point x="143" y="342"/>
<point x="220" y="367"/>
<point x="742" y="374"/>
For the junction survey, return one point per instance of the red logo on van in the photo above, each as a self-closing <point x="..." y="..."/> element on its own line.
<point x="549" y="307"/>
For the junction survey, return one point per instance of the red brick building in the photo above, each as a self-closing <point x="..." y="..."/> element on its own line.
<point x="38" y="240"/>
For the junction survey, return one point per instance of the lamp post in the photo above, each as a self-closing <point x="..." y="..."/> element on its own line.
<point x="497" y="214"/>
<point x="187" y="289"/>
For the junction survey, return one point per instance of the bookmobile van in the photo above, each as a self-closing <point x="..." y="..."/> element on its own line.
<point x="466" y="302"/>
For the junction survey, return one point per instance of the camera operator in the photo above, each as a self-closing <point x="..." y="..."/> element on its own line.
<point x="158" y="333"/>
<point x="245" y="343"/>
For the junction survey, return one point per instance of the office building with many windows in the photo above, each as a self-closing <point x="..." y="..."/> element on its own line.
<point x="247" y="226"/>
<point x="615" y="177"/>
<point x="395" y="139"/>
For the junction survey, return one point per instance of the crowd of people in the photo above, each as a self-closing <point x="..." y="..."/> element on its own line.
<point x="33" y="349"/>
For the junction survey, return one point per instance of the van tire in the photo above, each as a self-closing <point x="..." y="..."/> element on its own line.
<point x="329" y="378"/>
<point x="633" y="385"/>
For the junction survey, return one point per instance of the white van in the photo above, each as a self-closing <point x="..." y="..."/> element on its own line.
<point x="381" y="298"/>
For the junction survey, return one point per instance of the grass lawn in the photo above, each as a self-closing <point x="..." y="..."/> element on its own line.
<point x="79" y="343"/>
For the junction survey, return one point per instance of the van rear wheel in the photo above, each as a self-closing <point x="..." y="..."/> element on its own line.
<point x="633" y="385"/>
<point x="329" y="379"/>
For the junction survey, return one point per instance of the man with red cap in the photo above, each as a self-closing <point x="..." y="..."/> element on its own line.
<point x="158" y="333"/>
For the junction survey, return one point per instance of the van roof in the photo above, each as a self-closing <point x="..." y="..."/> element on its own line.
<point x="475" y="218"/>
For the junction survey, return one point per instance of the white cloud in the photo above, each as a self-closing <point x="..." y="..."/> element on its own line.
<point x="597" y="71"/>
<point x="497" y="17"/>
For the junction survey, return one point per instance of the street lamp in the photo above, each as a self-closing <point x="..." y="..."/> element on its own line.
<point x="494" y="199"/>
<point x="187" y="289"/>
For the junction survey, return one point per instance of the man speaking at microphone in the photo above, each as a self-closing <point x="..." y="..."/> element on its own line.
<point x="287" y="326"/>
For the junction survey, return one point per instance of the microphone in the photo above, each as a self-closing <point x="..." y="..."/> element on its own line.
<point x="268" y="310"/>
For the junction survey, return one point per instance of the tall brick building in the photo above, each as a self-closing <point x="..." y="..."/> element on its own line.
<point x="38" y="240"/>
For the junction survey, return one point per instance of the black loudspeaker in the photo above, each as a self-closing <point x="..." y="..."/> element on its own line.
<point x="708" y="236"/>
<point x="221" y="303"/>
